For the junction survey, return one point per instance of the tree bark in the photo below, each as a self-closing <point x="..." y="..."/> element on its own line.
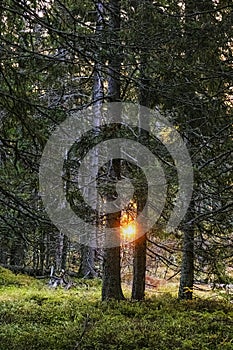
<point x="140" y="245"/>
<point x="111" y="288"/>
<point x="139" y="269"/>
<point x="87" y="268"/>
<point x="187" y="267"/>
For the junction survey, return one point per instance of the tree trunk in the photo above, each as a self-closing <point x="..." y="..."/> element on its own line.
<point x="111" y="288"/>
<point x="139" y="269"/>
<point x="17" y="252"/>
<point x="140" y="245"/>
<point x="4" y="251"/>
<point x="59" y="250"/>
<point x="64" y="252"/>
<point x="111" y="275"/>
<point x="87" y="268"/>
<point x="187" y="267"/>
<point x="42" y="252"/>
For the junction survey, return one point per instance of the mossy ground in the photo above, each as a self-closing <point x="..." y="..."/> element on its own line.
<point x="33" y="317"/>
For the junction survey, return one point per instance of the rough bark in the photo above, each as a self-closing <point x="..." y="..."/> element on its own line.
<point x="87" y="268"/>
<point x="111" y="288"/>
<point x="139" y="269"/>
<point x="139" y="261"/>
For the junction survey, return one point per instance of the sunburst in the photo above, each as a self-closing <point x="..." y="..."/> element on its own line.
<point x="128" y="231"/>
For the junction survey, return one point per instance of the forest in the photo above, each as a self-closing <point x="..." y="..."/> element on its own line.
<point x="116" y="178"/>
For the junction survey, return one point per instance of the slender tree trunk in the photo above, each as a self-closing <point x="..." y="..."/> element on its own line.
<point x="187" y="267"/>
<point x="17" y="252"/>
<point x="48" y="250"/>
<point x="87" y="268"/>
<point x="64" y="252"/>
<point x="42" y="253"/>
<point x="115" y="51"/>
<point x="140" y="245"/>
<point x="59" y="250"/>
<point x="4" y="251"/>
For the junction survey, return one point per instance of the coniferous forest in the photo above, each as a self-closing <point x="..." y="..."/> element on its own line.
<point x="116" y="155"/>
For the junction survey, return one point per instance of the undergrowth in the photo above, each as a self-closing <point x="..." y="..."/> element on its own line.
<point x="34" y="317"/>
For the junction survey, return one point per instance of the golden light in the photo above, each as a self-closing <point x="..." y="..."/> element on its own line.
<point x="128" y="227"/>
<point x="128" y="231"/>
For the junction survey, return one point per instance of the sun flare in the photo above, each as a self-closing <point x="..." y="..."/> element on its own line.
<point x="128" y="231"/>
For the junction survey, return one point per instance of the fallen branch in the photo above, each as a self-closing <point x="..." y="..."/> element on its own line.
<point x="83" y="332"/>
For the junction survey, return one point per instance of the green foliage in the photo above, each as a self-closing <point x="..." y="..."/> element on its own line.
<point x="41" y="318"/>
<point x="8" y="279"/>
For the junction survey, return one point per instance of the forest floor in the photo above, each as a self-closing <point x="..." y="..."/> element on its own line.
<point x="35" y="317"/>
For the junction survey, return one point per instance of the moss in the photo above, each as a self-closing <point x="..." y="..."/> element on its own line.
<point x="36" y="317"/>
<point x="8" y="278"/>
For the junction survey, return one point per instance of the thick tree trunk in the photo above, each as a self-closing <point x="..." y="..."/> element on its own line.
<point x="139" y="269"/>
<point x="111" y="288"/>
<point x="111" y="275"/>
